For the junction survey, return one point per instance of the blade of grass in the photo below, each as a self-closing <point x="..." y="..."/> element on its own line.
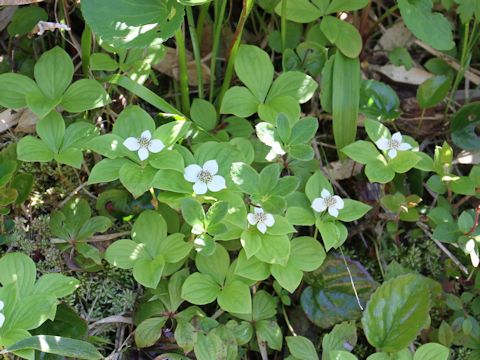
<point x="196" y="50"/>
<point x="182" y="65"/>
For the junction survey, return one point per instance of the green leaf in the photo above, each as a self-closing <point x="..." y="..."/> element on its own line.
<point x="135" y="178"/>
<point x="40" y="104"/>
<point x="432" y="351"/>
<point x="14" y="88"/>
<point x="32" y="311"/>
<point x="315" y="184"/>
<point x="51" y="130"/>
<point x="345" y="5"/>
<point x="57" y="285"/>
<point x="301" y="152"/>
<point x="433" y="91"/>
<point x="420" y="20"/>
<point x="361" y="151"/>
<point x="140" y="25"/>
<point x="272" y="108"/>
<point x="288" y="276"/>
<point x="19" y="268"/>
<point x="92" y="226"/>
<point x="378" y="101"/>
<point x="72" y="157"/>
<point x="376" y="130"/>
<point x="7" y="168"/>
<point x="341" y="355"/>
<point x="200" y="289"/>
<point x="23" y="183"/>
<point x="343" y="34"/>
<point x="400" y="56"/>
<point x="59" y="346"/>
<point x="185" y="335"/>
<point x="346" y="73"/>
<point x="379" y="171"/>
<point x="215" y="265"/>
<point x="251" y="242"/>
<point x="259" y="77"/>
<point x="333" y="233"/>
<point x="281" y="226"/>
<point x="54" y="72"/>
<point x="463" y="125"/>
<point x="405" y="303"/>
<point x="192" y="212"/>
<point x="306" y="254"/>
<point x="251" y="268"/>
<point x="301" y="11"/>
<point x="342" y="337"/>
<point x="123" y="253"/>
<point x="447" y="232"/>
<point x="270" y="332"/>
<point x="174" y="249"/>
<point x="203" y="114"/>
<point x="109" y="145"/>
<point x="235" y="297"/>
<point x="150" y="228"/>
<point x="132" y="121"/>
<point x="84" y="94"/>
<point x="268" y="134"/>
<point x="239" y="101"/>
<point x="301" y="348"/>
<point x="25" y="19"/>
<point x="295" y="84"/>
<point x="245" y="177"/>
<point x="216" y="213"/>
<point x="209" y="347"/>
<point x="102" y="61"/>
<point x="171" y="180"/>
<point x="149" y="331"/>
<point x="106" y="170"/>
<point x="148" y="272"/>
<point x="300" y="216"/>
<point x="275" y="249"/>
<point x="467" y="8"/>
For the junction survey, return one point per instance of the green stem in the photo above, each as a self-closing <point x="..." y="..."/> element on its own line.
<point x="217" y="30"/>
<point x="182" y="64"/>
<point x="351" y="279"/>
<point x="247" y="6"/>
<point x="196" y="50"/>
<point x="387" y="13"/>
<point x="420" y="123"/>
<point x="86" y="44"/>
<point x="290" y="327"/>
<point x="202" y="17"/>
<point x="284" y="25"/>
<point x="378" y="258"/>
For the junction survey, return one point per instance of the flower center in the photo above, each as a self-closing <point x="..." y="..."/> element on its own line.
<point x="260" y="217"/>
<point x="393" y="144"/>
<point x="205" y="176"/>
<point x="143" y="142"/>
<point x="330" y="201"/>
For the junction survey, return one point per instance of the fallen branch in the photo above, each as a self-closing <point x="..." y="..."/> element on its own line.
<point x="96" y="238"/>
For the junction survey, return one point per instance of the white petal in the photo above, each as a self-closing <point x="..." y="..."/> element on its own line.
<point x="131" y="144"/>
<point x="474" y="258"/>
<point x="211" y="166"/>
<point x="339" y="202"/>
<point x="382" y="143"/>
<point x="143" y="153"/>
<point x="155" y="146"/>
<point x="191" y="172"/>
<point x="217" y="184"/>
<point x="258" y="210"/>
<point x="318" y="205"/>
<point x="251" y="219"/>
<point x="146" y="135"/>
<point x="325" y="193"/>
<point x="332" y="211"/>
<point x="262" y="227"/>
<point x="469" y="246"/>
<point x="392" y="153"/>
<point x="404" y="146"/>
<point x="2" y="319"/>
<point x="2" y="305"/>
<point x="397" y="137"/>
<point x="270" y="220"/>
<point x="200" y="188"/>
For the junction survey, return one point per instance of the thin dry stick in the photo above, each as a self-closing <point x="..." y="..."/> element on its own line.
<point x="443" y="248"/>
<point x="351" y="280"/>
<point x="262" y="347"/>
<point x="112" y="320"/>
<point x="96" y="238"/>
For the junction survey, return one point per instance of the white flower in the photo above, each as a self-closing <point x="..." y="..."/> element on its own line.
<point x="144" y="144"/>
<point x="204" y="178"/>
<point x="332" y="202"/>
<point x="393" y="144"/>
<point x="470" y="247"/>
<point x="2" y="317"/>
<point x="260" y="219"/>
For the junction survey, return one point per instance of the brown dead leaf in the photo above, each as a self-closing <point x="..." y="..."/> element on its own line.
<point x="8" y="119"/>
<point x="169" y="66"/>
<point x="468" y="157"/>
<point x="345" y="170"/>
<point x="27" y="122"/>
<point x="414" y="76"/>
<point x="395" y="36"/>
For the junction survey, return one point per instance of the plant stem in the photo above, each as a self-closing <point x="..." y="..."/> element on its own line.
<point x="420" y="123"/>
<point x="217" y="31"/>
<point x="247" y="6"/>
<point x="351" y="279"/>
<point x="154" y="199"/>
<point x="182" y="63"/>
<point x="201" y="22"/>
<point x="290" y="327"/>
<point x="196" y="50"/>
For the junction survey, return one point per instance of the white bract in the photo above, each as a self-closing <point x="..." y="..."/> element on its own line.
<point x="470" y="247"/>
<point x="2" y="317"/>
<point x="262" y="220"/>
<point x="205" y="178"/>
<point x="144" y="144"/>
<point x="393" y="144"/>
<point x="328" y="201"/>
